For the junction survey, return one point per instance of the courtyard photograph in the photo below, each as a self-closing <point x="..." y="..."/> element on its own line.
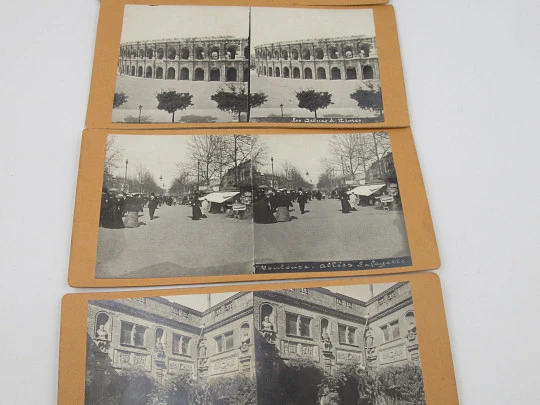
<point x="340" y="345"/>
<point x="216" y="205"/>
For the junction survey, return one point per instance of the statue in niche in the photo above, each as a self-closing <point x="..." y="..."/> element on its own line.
<point x="244" y="342"/>
<point x="325" y="337"/>
<point x="369" y="338"/>
<point x="411" y="328"/>
<point x="202" y="353"/>
<point x="102" y="338"/>
<point x="160" y="351"/>
<point x="268" y="330"/>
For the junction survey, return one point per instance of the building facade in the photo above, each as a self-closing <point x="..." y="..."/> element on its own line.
<point x="254" y="334"/>
<point x="345" y="58"/>
<point x="221" y="59"/>
<point x="382" y="170"/>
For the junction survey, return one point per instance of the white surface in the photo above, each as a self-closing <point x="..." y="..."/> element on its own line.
<point x="472" y="73"/>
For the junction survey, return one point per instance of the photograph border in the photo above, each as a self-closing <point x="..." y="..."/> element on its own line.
<point x="107" y="48"/>
<point x="84" y="241"/>
<point x="434" y="344"/>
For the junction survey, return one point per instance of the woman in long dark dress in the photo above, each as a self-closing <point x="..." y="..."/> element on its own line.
<point x="196" y="212"/>
<point x="345" y="205"/>
<point x="262" y="213"/>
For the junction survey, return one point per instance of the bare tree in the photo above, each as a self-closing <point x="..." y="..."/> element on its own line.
<point x="290" y="176"/>
<point x="350" y="153"/>
<point x="113" y="159"/>
<point x="380" y="147"/>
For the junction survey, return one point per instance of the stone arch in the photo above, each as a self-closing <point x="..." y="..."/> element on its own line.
<point x="308" y="74"/>
<point x="232" y="75"/>
<point x="284" y="54"/>
<point x="306" y="54"/>
<point x="286" y="72"/>
<point x="296" y="73"/>
<point x="325" y="326"/>
<point x="171" y="53"/>
<point x="159" y="72"/>
<point x="277" y="72"/>
<point x="159" y="336"/>
<point x="215" y="75"/>
<point x="350" y="73"/>
<point x="246" y="75"/>
<point x="148" y="72"/>
<point x="184" y="53"/>
<point x="294" y="54"/>
<point x="246" y="52"/>
<point x="335" y="73"/>
<point x="267" y="310"/>
<point x="171" y="73"/>
<point x="270" y="71"/>
<point x="140" y="71"/>
<point x="184" y="73"/>
<point x="103" y="318"/>
<point x="141" y="53"/>
<point x="231" y="52"/>
<point x="334" y="54"/>
<point x="198" y="75"/>
<point x="149" y="53"/>
<point x="319" y="53"/>
<point x="348" y="52"/>
<point x="321" y="73"/>
<point x="160" y="53"/>
<point x="367" y="72"/>
<point x="276" y="54"/>
<point x="199" y="53"/>
<point x="264" y="70"/>
<point x="365" y="49"/>
<point x="133" y="70"/>
<point x="214" y="53"/>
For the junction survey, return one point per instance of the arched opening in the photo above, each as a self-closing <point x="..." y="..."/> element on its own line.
<point x="277" y="72"/>
<point x="140" y="71"/>
<point x="149" y="72"/>
<point x="184" y="53"/>
<point x="198" y="75"/>
<point x="149" y="53"/>
<point x="285" y="54"/>
<point x="215" y="75"/>
<point x="160" y="337"/>
<point x="321" y="73"/>
<point x="246" y="75"/>
<point x="159" y="73"/>
<point x="364" y="50"/>
<point x="268" y="311"/>
<point x="296" y="73"/>
<point x="286" y="72"/>
<point x="245" y="337"/>
<point x="141" y="53"/>
<point x="184" y="73"/>
<point x="348" y="52"/>
<point x="367" y="72"/>
<point x="270" y="71"/>
<point x="246" y="52"/>
<point x="265" y="55"/>
<point x="295" y="54"/>
<point x="133" y="71"/>
<point x="103" y="326"/>
<point x="308" y="74"/>
<point x="133" y="53"/>
<point x="199" y="53"/>
<point x="264" y="70"/>
<point x="325" y="327"/>
<point x="171" y="73"/>
<point x="306" y="54"/>
<point x="335" y="73"/>
<point x="334" y="54"/>
<point x="214" y="53"/>
<point x="350" y="73"/>
<point x="159" y="53"/>
<point x="231" y="75"/>
<point x="171" y="53"/>
<point x="319" y="53"/>
<point x="231" y="52"/>
<point x="276" y="54"/>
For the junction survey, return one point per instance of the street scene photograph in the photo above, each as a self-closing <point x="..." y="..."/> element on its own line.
<point x="182" y="64"/>
<point x="340" y="345"/>
<point x="321" y="65"/>
<point x="209" y="205"/>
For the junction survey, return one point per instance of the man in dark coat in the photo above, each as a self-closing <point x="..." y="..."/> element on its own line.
<point x="152" y="205"/>
<point x="302" y="199"/>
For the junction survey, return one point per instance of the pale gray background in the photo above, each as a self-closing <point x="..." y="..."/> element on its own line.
<point x="472" y="71"/>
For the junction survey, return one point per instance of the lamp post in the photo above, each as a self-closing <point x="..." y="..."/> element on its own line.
<point x="273" y="178"/>
<point x="125" y="177"/>
<point x="140" y="111"/>
<point x="281" y="105"/>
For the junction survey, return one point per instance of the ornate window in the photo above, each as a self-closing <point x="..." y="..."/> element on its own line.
<point x="132" y="334"/>
<point x="298" y="325"/>
<point x="224" y="342"/>
<point x="180" y="344"/>
<point x="390" y="331"/>
<point x="347" y="334"/>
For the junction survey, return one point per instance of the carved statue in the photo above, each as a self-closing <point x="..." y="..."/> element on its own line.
<point x="268" y="330"/>
<point x="244" y="343"/>
<point x="411" y="329"/>
<point x="325" y="337"/>
<point x="202" y="360"/>
<point x="160" y="352"/>
<point x="369" y="338"/>
<point x="101" y="333"/>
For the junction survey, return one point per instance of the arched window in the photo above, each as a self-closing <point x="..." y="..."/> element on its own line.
<point x="198" y="75"/>
<point x="306" y="54"/>
<point x="350" y="73"/>
<point x="149" y="53"/>
<point x="184" y="53"/>
<point x="171" y="73"/>
<point x="367" y="72"/>
<point x="171" y="53"/>
<point x="159" y="73"/>
<point x="199" y="53"/>
<point x="321" y="73"/>
<point x="141" y="53"/>
<point x="308" y="74"/>
<point x="277" y="72"/>
<point x="149" y="72"/>
<point x="335" y="73"/>
<point x="285" y="54"/>
<point x="270" y="71"/>
<point x="334" y="54"/>
<point x="184" y="73"/>
<point x="319" y="53"/>
<point x="140" y="71"/>
<point x="295" y="54"/>
<point x="286" y="72"/>
<point x="214" y="53"/>
<point x="364" y="50"/>
<point x="231" y="75"/>
<point x="159" y="53"/>
<point x="103" y="326"/>
<point x="231" y="52"/>
<point x="296" y="73"/>
<point x="215" y="75"/>
<point x="325" y="326"/>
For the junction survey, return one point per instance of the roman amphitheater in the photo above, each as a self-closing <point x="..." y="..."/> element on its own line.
<point x="345" y="58"/>
<point x="224" y="59"/>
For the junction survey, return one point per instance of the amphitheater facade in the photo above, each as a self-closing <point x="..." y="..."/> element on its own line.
<point x="344" y="58"/>
<point x="223" y="59"/>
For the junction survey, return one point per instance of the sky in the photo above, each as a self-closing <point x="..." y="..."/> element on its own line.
<point x="199" y="302"/>
<point x="159" y="22"/>
<point x="161" y="154"/>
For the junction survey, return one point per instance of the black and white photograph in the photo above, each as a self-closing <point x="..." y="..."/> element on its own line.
<point x="342" y="345"/>
<point x="182" y="64"/>
<point x="315" y="65"/>
<point x="217" y="205"/>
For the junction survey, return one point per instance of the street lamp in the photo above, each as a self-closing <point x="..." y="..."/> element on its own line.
<point x="281" y="105"/>
<point x="273" y="178"/>
<point x="140" y="111"/>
